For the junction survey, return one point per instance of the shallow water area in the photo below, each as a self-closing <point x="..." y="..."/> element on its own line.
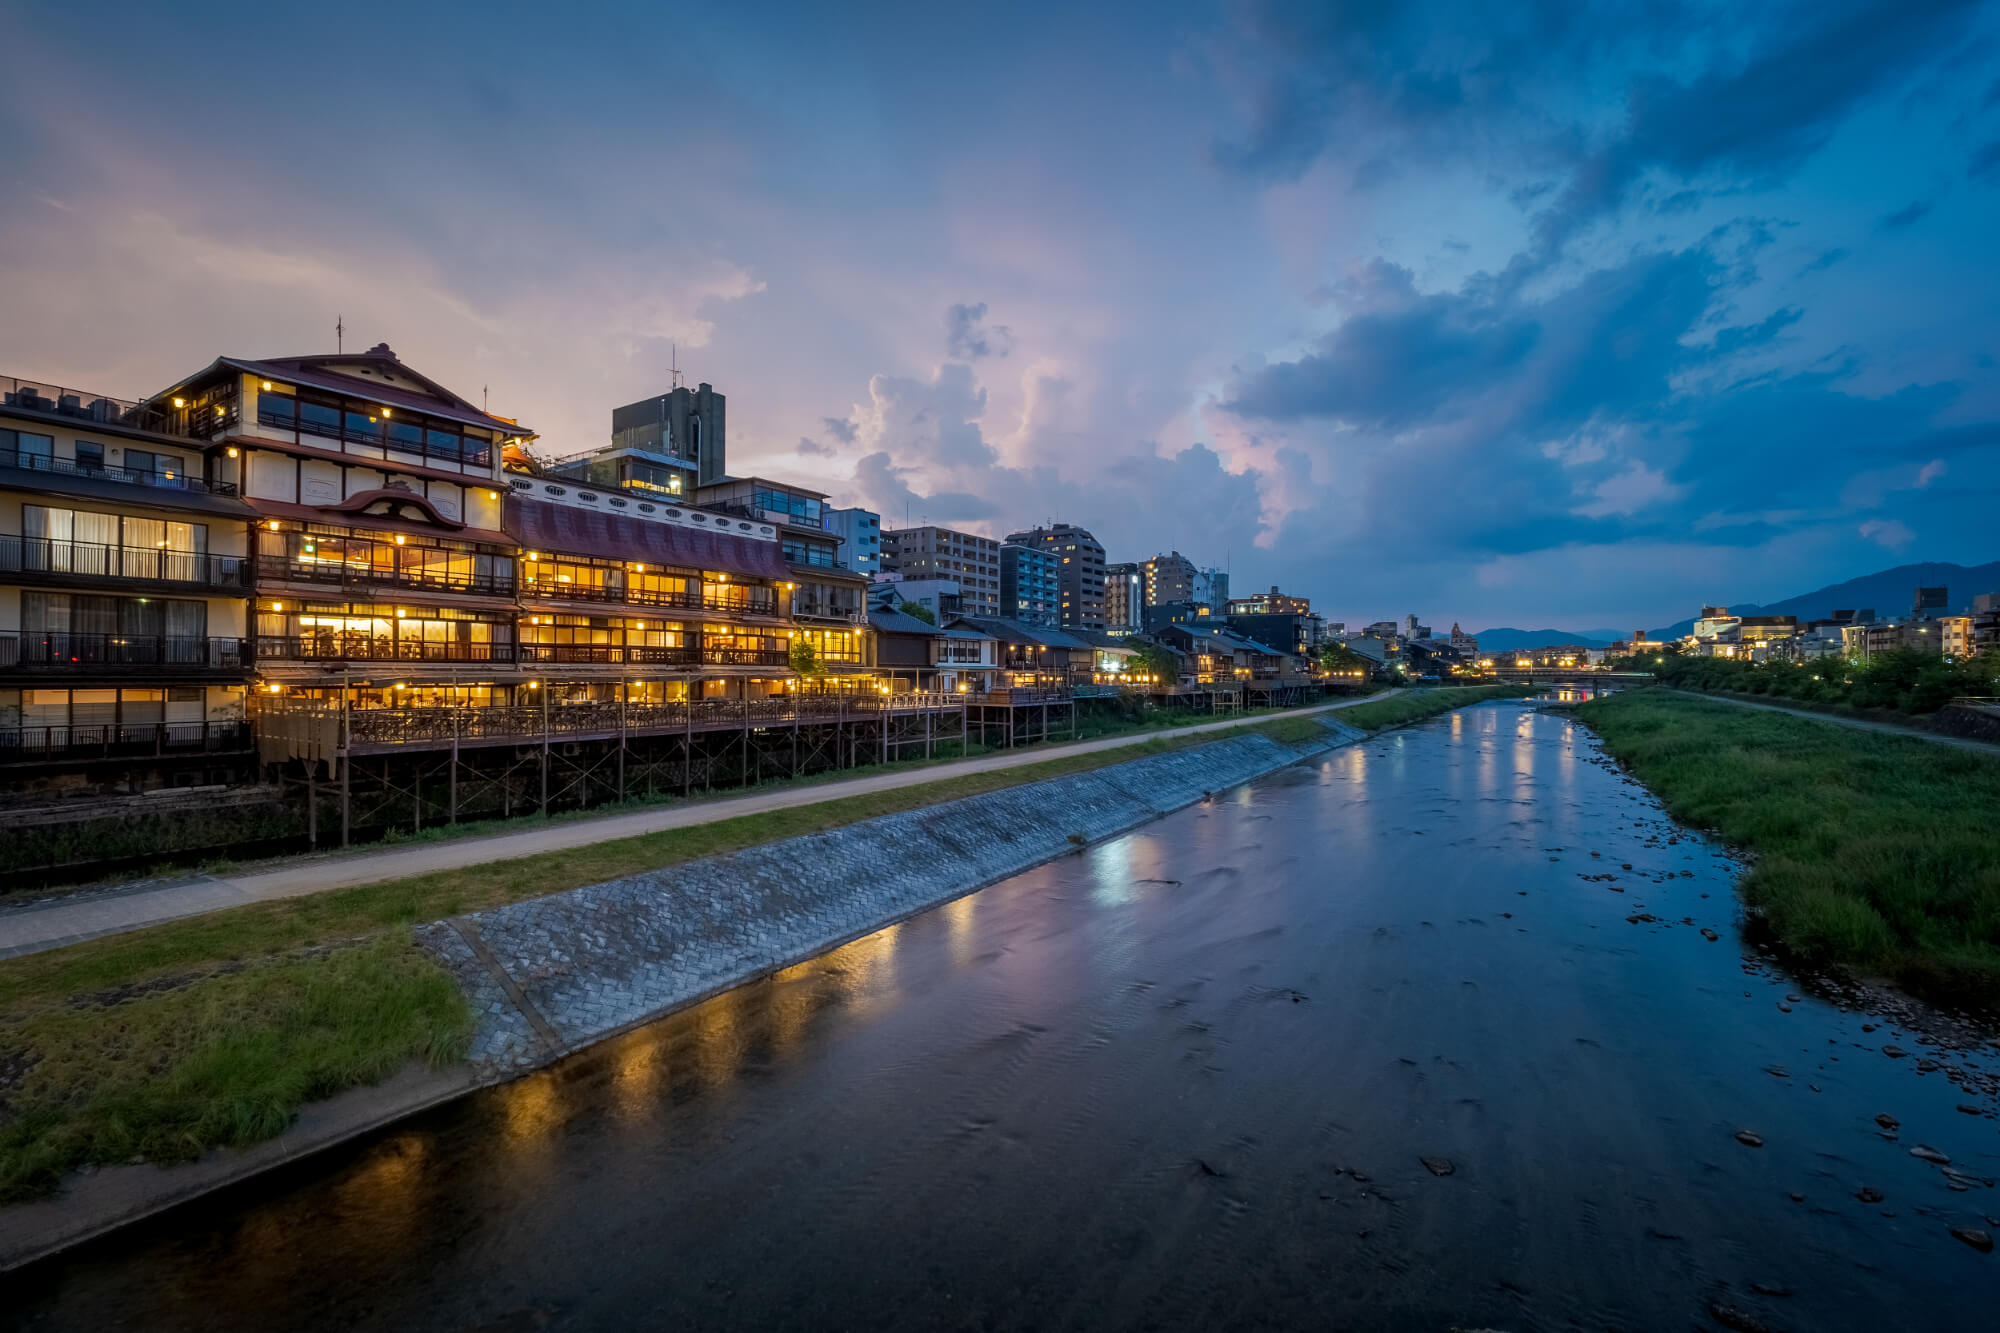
<point x="1430" y="1032"/>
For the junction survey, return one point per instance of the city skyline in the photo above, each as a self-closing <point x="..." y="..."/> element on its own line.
<point x="1230" y="280"/>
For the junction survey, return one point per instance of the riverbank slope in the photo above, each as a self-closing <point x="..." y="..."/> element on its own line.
<point x="1871" y="851"/>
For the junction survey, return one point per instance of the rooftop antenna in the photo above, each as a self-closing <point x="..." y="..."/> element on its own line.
<point x="482" y="398"/>
<point x="674" y="366"/>
<point x="339" y="333"/>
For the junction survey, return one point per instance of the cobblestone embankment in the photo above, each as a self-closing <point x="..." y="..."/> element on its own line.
<point x="554" y="974"/>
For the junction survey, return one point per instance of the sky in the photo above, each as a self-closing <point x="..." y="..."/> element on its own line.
<point x="1532" y="314"/>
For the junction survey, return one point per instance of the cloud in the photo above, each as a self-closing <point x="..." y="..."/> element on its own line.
<point x="1825" y="261"/>
<point x="840" y="428"/>
<point x="811" y="448"/>
<point x="1890" y="534"/>
<point x="967" y="336"/>
<point x="1905" y="216"/>
<point x="1985" y="163"/>
<point x="1637" y="487"/>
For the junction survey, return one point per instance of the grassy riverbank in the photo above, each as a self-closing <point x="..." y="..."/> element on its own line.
<point x="167" y="1041"/>
<point x="1871" y="851"/>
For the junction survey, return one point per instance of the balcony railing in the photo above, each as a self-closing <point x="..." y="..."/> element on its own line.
<point x="405" y="726"/>
<point x="84" y="653"/>
<point x="374" y="648"/>
<point x="283" y="569"/>
<point x="54" y="400"/>
<point x="92" y="560"/>
<point x="737" y="601"/>
<point x="33" y="745"/>
<point x="159" y="481"/>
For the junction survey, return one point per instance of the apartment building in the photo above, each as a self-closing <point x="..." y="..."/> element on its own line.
<point x="1080" y="575"/>
<point x="828" y="604"/>
<point x="971" y="561"/>
<point x="860" y="534"/>
<point x="1273" y="603"/>
<point x="123" y="585"/>
<point x="1124" y="598"/>
<point x="1169" y="578"/>
<point x="1030" y="585"/>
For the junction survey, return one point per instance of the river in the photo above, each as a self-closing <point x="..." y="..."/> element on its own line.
<point x="1205" y="1075"/>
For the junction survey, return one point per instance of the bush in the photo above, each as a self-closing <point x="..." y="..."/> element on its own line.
<point x="1904" y="681"/>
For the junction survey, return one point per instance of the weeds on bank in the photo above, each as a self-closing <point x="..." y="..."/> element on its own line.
<point x="1872" y="851"/>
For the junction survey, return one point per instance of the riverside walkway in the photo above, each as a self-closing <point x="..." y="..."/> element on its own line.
<point x="51" y="923"/>
<point x="1856" y="723"/>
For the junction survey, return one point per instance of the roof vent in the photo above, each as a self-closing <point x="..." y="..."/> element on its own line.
<point x="382" y="349"/>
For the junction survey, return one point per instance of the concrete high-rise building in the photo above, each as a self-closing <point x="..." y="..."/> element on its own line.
<point x="860" y="533"/>
<point x="1124" y="598"/>
<point x="1030" y="585"/>
<point x="670" y="444"/>
<point x="972" y="561"/>
<point x="1211" y="589"/>
<point x="1080" y="575"/>
<point x="1168" y="578"/>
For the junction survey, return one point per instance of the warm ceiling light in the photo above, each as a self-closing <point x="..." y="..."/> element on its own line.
<point x="400" y="613"/>
<point x="267" y="384"/>
<point x="232" y="451"/>
<point x="385" y="412"/>
<point x="399" y="539"/>
<point x="277" y="606"/>
<point x="274" y="525"/>
<point x="180" y="402"/>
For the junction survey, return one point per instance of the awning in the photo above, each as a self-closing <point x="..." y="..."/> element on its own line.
<point x="560" y="529"/>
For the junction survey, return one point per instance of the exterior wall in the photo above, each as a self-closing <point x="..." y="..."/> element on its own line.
<point x="1080" y="571"/>
<point x="971" y="561"/>
<point x="1030" y="590"/>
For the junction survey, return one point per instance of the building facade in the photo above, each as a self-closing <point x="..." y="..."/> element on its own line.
<point x="1272" y="603"/>
<point x="1168" y="578"/>
<point x="860" y="534"/>
<point x="124" y="582"/>
<point x="673" y="441"/>
<point x="1030" y="586"/>
<point x="971" y="561"/>
<point x="1080" y="573"/>
<point x="1124" y="598"/>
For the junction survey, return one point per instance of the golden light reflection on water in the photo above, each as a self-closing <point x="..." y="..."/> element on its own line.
<point x="531" y="1110"/>
<point x="960" y="922"/>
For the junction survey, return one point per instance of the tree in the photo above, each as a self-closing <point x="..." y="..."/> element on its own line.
<point x="805" y="660"/>
<point x="920" y="612"/>
<point x="1337" y="659"/>
<point x="1155" y="660"/>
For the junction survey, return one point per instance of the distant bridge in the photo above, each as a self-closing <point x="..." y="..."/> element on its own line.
<point x="1568" y="676"/>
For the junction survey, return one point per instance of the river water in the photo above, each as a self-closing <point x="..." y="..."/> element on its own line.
<point x="1189" y="1078"/>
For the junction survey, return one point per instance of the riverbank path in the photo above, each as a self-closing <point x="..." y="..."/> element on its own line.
<point x="69" y="918"/>
<point x="1856" y="723"/>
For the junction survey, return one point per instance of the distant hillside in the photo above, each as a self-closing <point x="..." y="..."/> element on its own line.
<point x="1888" y="593"/>
<point x="1509" y="640"/>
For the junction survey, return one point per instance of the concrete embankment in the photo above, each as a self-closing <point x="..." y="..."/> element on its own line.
<point x="552" y="975"/>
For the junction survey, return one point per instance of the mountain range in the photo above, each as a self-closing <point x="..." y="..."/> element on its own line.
<point x="1887" y="593"/>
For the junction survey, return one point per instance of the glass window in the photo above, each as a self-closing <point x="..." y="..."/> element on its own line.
<point x="407" y="436"/>
<point x="363" y="426"/>
<point x="441" y="443"/>
<point x="478" y="447"/>
<point x="30" y="450"/>
<point x="275" y="409"/>
<point x="319" y="417"/>
<point x="89" y="455"/>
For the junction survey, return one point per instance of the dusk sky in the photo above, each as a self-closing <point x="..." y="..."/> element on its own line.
<point x="1509" y="314"/>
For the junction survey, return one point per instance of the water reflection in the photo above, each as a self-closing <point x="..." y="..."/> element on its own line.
<point x="1183" y="1080"/>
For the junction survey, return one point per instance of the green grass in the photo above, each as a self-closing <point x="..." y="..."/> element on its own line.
<point x="1875" y="852"/>
<point x="1414" y="704"/>
<point x="166" y="1041"/>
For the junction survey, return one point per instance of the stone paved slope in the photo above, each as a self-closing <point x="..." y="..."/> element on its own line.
<point x="553" y="974"/>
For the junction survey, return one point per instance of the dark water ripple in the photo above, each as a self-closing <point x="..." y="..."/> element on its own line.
<point x="1186" y="1079"/>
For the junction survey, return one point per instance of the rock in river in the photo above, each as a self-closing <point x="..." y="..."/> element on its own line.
<point x="1976" y="1237"/>
<point x="1437" y="1166"/>
<point x="1930" y="1154"/>
<point x="1749" y="1139"/>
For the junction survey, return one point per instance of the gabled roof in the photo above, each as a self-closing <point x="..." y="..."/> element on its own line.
<point x="1097" y="638"/>
<point x="896" y="622"/>
<point x="1019" y="631"/>
<point x="364" y="375"/>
